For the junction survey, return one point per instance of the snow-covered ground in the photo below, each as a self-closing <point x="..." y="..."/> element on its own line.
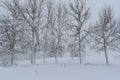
<point x="60" y="72"/>
<point x="94" y="68"/>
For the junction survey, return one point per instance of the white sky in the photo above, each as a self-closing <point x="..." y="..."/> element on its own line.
<point x="95" y="6"/>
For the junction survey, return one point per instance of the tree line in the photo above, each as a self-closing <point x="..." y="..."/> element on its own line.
<point x="54" y="28"/>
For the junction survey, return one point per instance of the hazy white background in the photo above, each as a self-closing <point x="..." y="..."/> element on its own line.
<point x="95" y="6"/>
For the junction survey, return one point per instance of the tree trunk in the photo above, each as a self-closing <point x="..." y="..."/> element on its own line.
<point x="33" y="54"/>
<point x="105" y="48"/>
<point x="44" y="57"/>
<point x="33" y="57"/>
<point x="45" y="47"/>
<point x="12" y="49"/>
<point x="80" y="55"/>
<point x="56" y="60"/>
<point x="12" y="57"/>
<point x="58" y="48"/>
<point x="106" y="55"/>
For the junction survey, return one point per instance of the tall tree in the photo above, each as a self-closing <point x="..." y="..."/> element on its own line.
<point x="11" y="28"/>
<point x="105" y="33"/>
<point x="61" y="24"/>
<point x="8" y="38"/>
<point x="80" y="15"/>
<point x="32" y="15"/>
<point x="49" y="35"/>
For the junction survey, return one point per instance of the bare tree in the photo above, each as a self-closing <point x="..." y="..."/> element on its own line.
<point x="8" y="38"/>
<point x="105" y="32"/>
<point x="49" y="35"/>
<point x="80" y="14"/>
<point x="32" y="15"/>
<point x="61" y="24"/>
<point x="11" y="28"/>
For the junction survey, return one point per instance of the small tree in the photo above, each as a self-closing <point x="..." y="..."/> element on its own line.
<point x="105" y="33"/>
